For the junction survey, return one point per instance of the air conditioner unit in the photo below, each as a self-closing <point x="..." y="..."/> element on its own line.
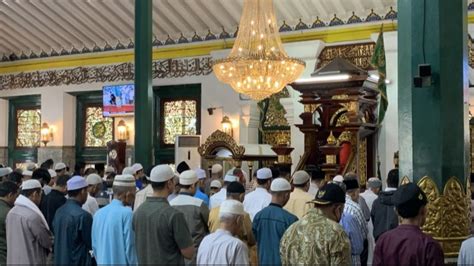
<point x="186" y="149"/>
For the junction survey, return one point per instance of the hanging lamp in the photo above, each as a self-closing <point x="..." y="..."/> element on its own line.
<point x="258" y="66"/>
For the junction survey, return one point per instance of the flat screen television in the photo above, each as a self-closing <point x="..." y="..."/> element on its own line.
<point x="118" y="100"/>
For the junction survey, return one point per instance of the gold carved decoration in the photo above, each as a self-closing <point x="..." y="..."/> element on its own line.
<point x="362" y="162"/>
<point x="220" y="140"/>
<point x="273" y="138"/>
<point x="311" y="108"/>
<point x="405" y="180"/>
<point x="359" y="54"/>
<point x="470" y="46"/>
<point x="170" y="68"/>
<point x="448" y="219"/>
<point x="345" y="136"/>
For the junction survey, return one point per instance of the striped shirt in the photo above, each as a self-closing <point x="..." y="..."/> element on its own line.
<point x="354" y="209"/>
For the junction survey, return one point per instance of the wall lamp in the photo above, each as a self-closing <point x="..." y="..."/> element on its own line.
<point x="122" y="131"/>
<point x="46" y="134"/>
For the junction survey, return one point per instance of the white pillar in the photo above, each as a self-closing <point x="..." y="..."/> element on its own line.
<point x="3" y="131"/>
<point x="388" y="136"/>
<point x="249" y="125"/>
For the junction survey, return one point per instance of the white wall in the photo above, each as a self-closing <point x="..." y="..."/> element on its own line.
<point x="3" y="123"/>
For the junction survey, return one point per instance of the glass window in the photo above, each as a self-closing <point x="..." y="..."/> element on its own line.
<point x="28" y="127"/>
<point x="99" y="129"/>
<point x="179" y="119"/>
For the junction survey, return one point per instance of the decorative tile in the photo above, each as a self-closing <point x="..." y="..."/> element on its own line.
<point x="318" y="23"/>
<point x="373" y="17"/>
<point x="335" y="21"/>
<point x="301" y="26"/>
<point x="354" y="19"/>
<point x="285" y="27"/>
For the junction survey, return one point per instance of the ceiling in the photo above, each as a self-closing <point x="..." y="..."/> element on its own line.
<point x="29" y="27"/>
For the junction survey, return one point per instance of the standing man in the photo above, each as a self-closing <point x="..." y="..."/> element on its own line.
<point x="94" y="184"/>
<point x="161" y="233"/>
<point x="8" y="195"/>
<point x="384" y="217"/>
<point x="215" y="187"/>
<point x="195" y="211"/>
<point x="54" y="200"/>
<point x="270" y="224"/>
<point x="60" y="169"/>
<point x="72" y="227"/>
<point x="407" y="244"/>
<point x="258" y="199"/>
<point x="4" y="172"/>
<point x="370" y="195"/>
<point x="201" y="186"/>
<point x="299" y="198"/>
<point x="317" y="181"/>
<point x="216" y="174"/>
<point x="466" y="256"/>
<point x="29" y="240"/>
<point x="113" y="239"/>
<point x="220" y="196"/>
<point x="318" y="237"/>
<point x="222" y="247"/>
<point x="141" y="195"/>
<point x="139" y="175"/>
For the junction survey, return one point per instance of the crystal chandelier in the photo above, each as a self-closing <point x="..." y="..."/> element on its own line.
<point x="258" y="66"/>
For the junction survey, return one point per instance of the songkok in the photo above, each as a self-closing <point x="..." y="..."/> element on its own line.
<point x="374" y="182"/>
<point x="264" y="173"/>
<point x="338" y="178"/>
<point x="330" y="193"/>
<point x="231" y="207"/>
<point x="5" y="171"/>
<point x="409" y="194"/>
<point x="27" y="173"/>
<point x="188" y="178"/>
<point x="161" y="173"/>
<point x="230" y="178"/>
<point x="124" y="181"/>
<point x="76" y="182"/>
<point x="128" y="171"/>
<point x="300" y="177"/>
<point x="52" y="173"/>
<point x="235" y="188"/>
<point x="216" y="184"/>
<point x="109" y="170"/>
<point x="59" y="166"/>
<point x="351" y="184"/>
<point x="280" y="184"/>
<point x="30" y="184"/>
<point x="201" y="174"/>
<point x="93" y="179"/>
<point x="216" y="168"/>
<point x="182" y="166"/>
<point x="137" y="167"/>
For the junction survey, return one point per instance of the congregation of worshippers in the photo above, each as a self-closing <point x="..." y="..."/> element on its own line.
<point x="59" y="215"/>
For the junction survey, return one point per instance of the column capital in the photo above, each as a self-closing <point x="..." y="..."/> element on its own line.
<point x="249" y="113"/>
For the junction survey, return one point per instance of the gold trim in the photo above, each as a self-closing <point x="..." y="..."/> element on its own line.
<point x="448" y="218"/>
<point x="219" y="139"/>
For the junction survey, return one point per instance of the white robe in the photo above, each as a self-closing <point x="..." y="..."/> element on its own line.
<point x="91" y="205"/>
<point x="221" y="248"/>
<point x="256" y="200"/>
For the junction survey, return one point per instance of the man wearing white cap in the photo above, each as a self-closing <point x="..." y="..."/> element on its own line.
<point x="161" y="234"/>
<point x="195" y="211"/>
<point x="72" y="227"/>
<point x="216" y="186"/>
<point x="141" y="195"/>
<point x="29" y="239"/>
<point x="219" y="197"/>
<point x="47" y="187"/>
<point x="270" y="224"/>
<point x="258" y="199"/>
<point x="4" y="172"/>
<point x="216" y="174"/>
<point x="113" y="239"/>
<point x="60" y="169"/>
<point x="201" y="186"/>
<point x="94" y="183"/>
<point x="374" y="186"/>
<point x="222" y="247"/>
<point x="300" y="198"/>
<point x="27" y="174"/>
<point x="55" y="199"/>
<point x="139" y="174"/>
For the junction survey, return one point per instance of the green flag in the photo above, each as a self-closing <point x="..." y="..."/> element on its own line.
<point x="378" y="61"/>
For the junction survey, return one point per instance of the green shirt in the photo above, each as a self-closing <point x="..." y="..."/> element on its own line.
<point x="4" y="209"/>
<point x="160" y="233"/>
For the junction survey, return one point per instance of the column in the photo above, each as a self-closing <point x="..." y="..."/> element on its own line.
<point x="143" y="83"/>
<point x="3" y="131"/>
<point x="433" y="120"/>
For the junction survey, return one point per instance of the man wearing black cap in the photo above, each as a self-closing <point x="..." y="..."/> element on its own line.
<point x="318" y="237"/>
<point x="407" y="244"/>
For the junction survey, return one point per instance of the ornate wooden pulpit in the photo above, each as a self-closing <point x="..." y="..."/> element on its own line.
<point x="339" y="120"/>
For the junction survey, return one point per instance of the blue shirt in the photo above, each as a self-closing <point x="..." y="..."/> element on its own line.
<point x="113" y="239"/>
<point x="201" y="195"/>
<point x="354" y="232"/>
<point x="268" y="226"/>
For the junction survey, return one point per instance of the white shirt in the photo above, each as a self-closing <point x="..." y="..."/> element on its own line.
<point x="256" y="200"/>
<point x="141" y="196"/>
<point x="218" y="198"/>
<point x="466" y="256"/>
<point x="221" y="248"/>
<point x="369" y="197"/>
<point x="91" y="205"/>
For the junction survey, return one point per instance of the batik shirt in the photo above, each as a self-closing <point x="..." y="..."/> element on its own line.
<point x="315" y="239"/>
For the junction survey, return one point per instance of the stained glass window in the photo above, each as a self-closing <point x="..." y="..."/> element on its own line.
<point x="28" y="127"/>
<point x="179" y="119"/>
<point x="99" y="129"/>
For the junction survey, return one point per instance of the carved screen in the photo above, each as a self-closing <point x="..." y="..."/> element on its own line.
<point x="28" y="127"/>
<point x="99" y="129"/>
<point x="274" y="127"/>
<point x="179" y="119"/>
